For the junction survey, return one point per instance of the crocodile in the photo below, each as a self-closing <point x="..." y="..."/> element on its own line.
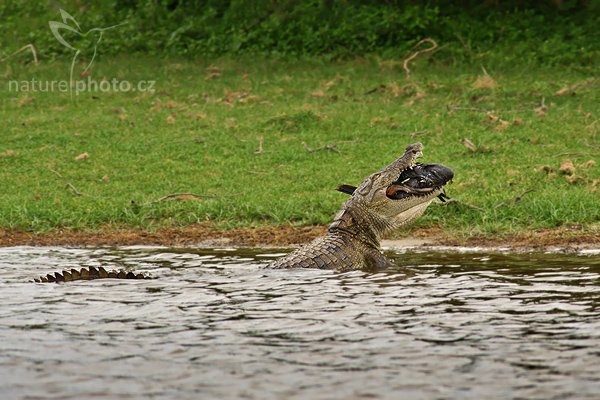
<point x="88" y="273"/>
<point x="379" y="206"/>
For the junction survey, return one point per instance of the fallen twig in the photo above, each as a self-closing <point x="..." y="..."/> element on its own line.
<point x="574" y="154"/>
<point x="519" y="197"/>
<point x="541" y="110"/>
<point x="453" y="108"/>
<point x="515" y="200"/>
<point x="28" y="46"/>
<point x="55" y="172"/>
<point x="434" y="45"/>
<point x="418" y="133"/>
<point x="69" y="185"/>
<point x="469" y="145"/>
<point x="261" y="141"/>
<point x="375" y="89"/>
<point x="180" y="196"/>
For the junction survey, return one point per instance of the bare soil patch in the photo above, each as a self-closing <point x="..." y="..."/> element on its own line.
<point x="288" y="236"/>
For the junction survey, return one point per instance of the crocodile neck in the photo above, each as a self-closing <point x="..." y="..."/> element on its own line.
<point x="356" y="221"/>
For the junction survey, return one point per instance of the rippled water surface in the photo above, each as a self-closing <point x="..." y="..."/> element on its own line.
<point x="218" y="324"/>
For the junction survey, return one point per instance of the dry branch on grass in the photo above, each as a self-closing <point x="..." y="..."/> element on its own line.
<point x="575" y="154"/>
<point x="69" y="185"/>
<point x="434" y="45"/>
<point x="416" y="134"/>
<point x="515" y="200"/>
<point x="55" y="172"/>
<point x="477" y="109"/>
<point x="261" y="142"/>
<point x="26" y="47"/>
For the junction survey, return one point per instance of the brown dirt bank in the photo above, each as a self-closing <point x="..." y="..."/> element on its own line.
<point x="286" y="236"/>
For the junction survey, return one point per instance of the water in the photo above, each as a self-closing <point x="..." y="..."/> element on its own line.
<point x="217" y="324"/>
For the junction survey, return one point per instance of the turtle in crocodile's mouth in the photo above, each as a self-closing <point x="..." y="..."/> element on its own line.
<point x="416" y="180"/>
<point x="420" y="179"/>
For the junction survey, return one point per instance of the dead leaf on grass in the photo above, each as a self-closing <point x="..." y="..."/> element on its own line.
<point x="492" y="117"/>
<point x="502" y="125"/>
<point x="588" y="164"/>
<point x="8" y="153"/>
<point x="105" y="178"/>
<point x="333" y="82"/>
<point x="199" y="115"/>
<point x="484" y="82"/>
<point x="25" y="100"/>
<point x="250" y="98"/>
<point x="541" y="110"/>
<point x="469" y="145"/>
<point x="574" y="179"/>
<point x="318" y="94"/>
<point x="213" y="75"/>
<point x="563" y="92"/>
<point x="517" y="121"/>
<point x="213" y="68"/>
<point x="82" y="156"/>
<point x="478" y="99"/>
<point x="156" y="107"/>
<point x="567" y="167"/>
<point x="171" y="120"/>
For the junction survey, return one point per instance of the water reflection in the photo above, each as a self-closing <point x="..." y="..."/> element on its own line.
<point x="218" y="324"/>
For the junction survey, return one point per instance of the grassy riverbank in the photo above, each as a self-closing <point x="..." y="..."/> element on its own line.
<point x="266" y="142"/>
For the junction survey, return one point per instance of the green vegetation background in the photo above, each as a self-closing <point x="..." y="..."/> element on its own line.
<point x="263" y="108"/>
<point x="509" y="31"/>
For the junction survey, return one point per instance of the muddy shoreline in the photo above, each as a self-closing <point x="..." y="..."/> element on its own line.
<point x="565" y="238"/>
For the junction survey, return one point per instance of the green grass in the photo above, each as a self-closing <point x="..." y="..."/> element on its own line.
<point x="203" y="138"/>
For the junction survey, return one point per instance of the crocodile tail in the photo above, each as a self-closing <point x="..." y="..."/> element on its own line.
<point x="88" y="273"/>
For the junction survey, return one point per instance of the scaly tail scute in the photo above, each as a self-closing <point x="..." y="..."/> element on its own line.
<point x="87" y="274"/>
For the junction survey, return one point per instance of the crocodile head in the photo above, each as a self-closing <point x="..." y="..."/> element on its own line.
<point x="399" y="193"/>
